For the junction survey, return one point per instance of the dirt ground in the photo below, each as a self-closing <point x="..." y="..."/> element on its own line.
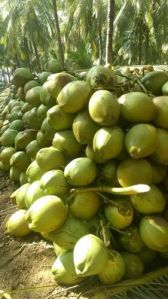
<point x="25" y="263"/>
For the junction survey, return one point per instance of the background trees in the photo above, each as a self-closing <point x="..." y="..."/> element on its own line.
<point x="30" y="32"/>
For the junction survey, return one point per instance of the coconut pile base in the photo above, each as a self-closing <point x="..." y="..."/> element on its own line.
<point x="25" y="264"/>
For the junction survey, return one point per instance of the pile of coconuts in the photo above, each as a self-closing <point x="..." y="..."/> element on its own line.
<point x="91" y="159"/>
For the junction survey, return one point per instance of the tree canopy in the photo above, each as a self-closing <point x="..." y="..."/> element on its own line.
<point x="30" y="37"/>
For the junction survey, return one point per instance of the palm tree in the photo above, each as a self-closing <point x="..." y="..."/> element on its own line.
<point x="60" y="46"/>
<point x="27" y="34"/>
<point x="109" y="39"/>
<point x="139" y="32"/>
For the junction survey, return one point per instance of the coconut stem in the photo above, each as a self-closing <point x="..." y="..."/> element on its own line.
<point x="105" y="233"/>
<point x="134" y="189"/>
<point x="141" y="85"/>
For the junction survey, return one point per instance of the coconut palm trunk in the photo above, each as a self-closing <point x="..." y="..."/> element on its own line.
<point x="37" y="55"/>
<point x="140" y="40"/>
<point x="109" y="38"/>
<point x="100" y="44"/>
<point x="27" y="51"/>
<point x="17" y="60"/>
<point x="60" y="46"/>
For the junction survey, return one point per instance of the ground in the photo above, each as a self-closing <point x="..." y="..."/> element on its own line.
<point x="25" y="263"/>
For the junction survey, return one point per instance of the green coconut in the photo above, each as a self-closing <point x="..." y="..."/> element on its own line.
<point x="49" y="158"/>
<point x="114" y="269"/>
<point x="46" y="98"/>
<point x="160" y="153"/>
<point x="20" y="196"/>
<point x="85" y="205"/>
<point x="32" y="148"/>
<point x="84" y="127"/>
<point x="67" y="236"/>
<point x="23" y="179"/>
<point x="15" y="115"/>
<point x="161" y="104"/>
<point x="90" y="256"/>
<point x="4" y="167"/>
<point x="20" y="93"/>
<point x="56" y="82"/>
<point x="109" y="172"/>
<point x="80" y="172"/>
<point x="33" y="192"/>
<point x="33" y="96"/>
<point x="54" y="66"/>
<point x="154" y="233"/>
<point x="58" y="119"/>
<point x="16" y="108"/>
<point x="134" y="266"/>
<point x="91" y="154"/>
<point x="147" y="255"/>
<point x="8" y="137"/>
<point x="141" y="140"/>
<point x="25" y="118"/>
<point x="74" y="96"/>
<point x="12" y="103"/>
<point x="100" y="77"/>
<point x="34" y="172"/>
<point x="65" y="141"/>
<point x="46" y="214"/>
<point x="104" y="108"/>
<point x="20" y="160"/>
<point x="150" y="202"/>
<point x="94" y="224"/>
<point x="35" y="122"/>
<point x="13" y="196"/>
<point x="64" y="271"/>
<point x="165" y="89"/>
<point x="46" y="128"/>
<point x="132" y="172"/>
<point x="26" y="107"/>
<point x="24" y="138"/>
<point x="54" y="182"/>
<point x="21" y="76"/>
<point x="42" y="112"/>
<point x="17" y="224"/>
<point x="30" y="84"/>
<point x="31" y="119"/>
<point x="44" y="139"/>
<point x="14" y="174"/>
<point x="130" y="240"/>
<point x="154" y="81"/>
<point x="6" y="155"/>
<point x="3" y="129"/>
<point x="17" y="125"/>
<point x="42" y="77"/>
<point x="120" y="214"/>
<point x="130" y="104"/>
<point x="57" y="249"/>
<point x="158" y="172"/>
<point x="108" y="142"/>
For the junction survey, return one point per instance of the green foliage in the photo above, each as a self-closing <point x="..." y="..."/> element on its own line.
<point x="29" y="38"/>
<point x="79" y="58"/>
